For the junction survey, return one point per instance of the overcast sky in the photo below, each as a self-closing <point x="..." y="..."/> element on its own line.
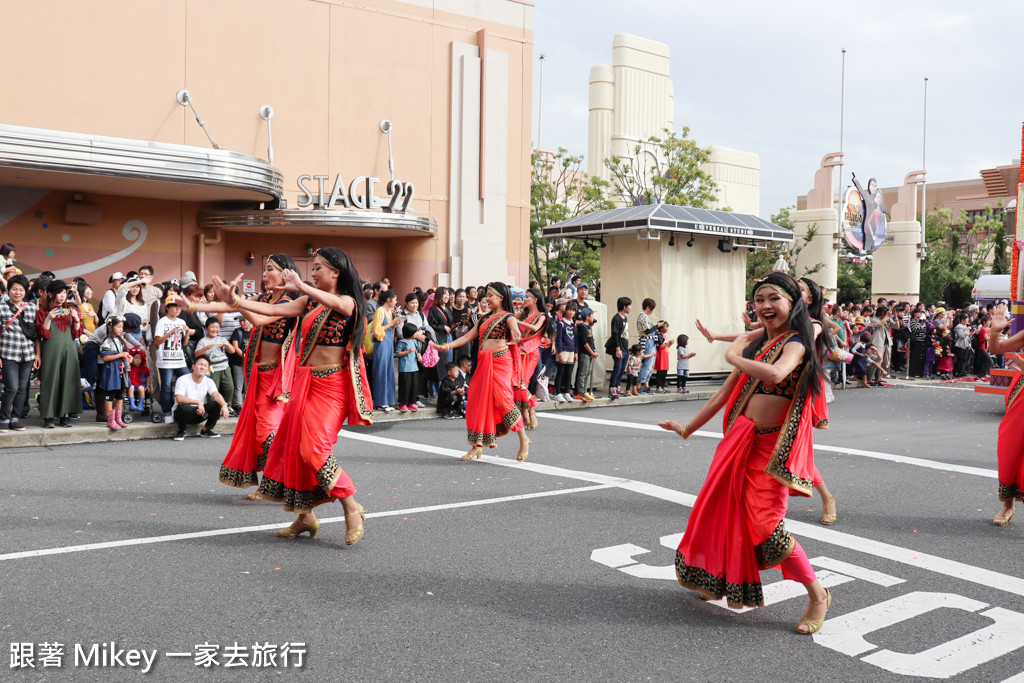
<point x="765" y="78"/>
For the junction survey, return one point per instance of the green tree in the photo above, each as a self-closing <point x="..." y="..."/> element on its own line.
<point x="853" y="282"/>
<point x="957" y="253"/>
<point x="760" y="262"/>
<point x="560" y="190"/>
<point x="668" y="169"/>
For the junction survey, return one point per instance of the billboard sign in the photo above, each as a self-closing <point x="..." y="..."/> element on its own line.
<point x="863" y="217"/>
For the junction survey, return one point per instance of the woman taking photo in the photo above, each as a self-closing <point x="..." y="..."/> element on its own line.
<point x="491" y="411"/>
<point x="383" y="379"/>
<point x="736" y="528"/>
<point x="59" y="324"/>
<point x="262" y="410"/>
<point x="324" y="384"/>
<point x="532" y="323"/>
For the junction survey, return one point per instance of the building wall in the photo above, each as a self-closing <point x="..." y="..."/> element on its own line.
<point x="331" y="69"/>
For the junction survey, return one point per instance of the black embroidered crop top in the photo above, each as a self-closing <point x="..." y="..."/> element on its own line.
<point x="499" y="330"/>
<point x="787" y="387"/>
<point x="335" y="330"/>
<point x="276" y="331"/>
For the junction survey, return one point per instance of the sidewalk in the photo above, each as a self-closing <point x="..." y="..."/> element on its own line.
<point x="87" y="430"/>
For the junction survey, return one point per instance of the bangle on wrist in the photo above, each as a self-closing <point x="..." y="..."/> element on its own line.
<point x="236" y="300"/>
<point x="191" y="306"/>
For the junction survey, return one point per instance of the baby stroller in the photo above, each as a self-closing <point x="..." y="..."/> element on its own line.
<point x="149" y="407"/>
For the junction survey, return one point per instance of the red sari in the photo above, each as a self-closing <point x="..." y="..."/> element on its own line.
<point x="1010" y="448"/>
<point x="491" y="411"/>
<point x="260" y="417"/>
<point x="301" y="469"/>
<point x="529" y="350"/>
<point x="736" y="527"/>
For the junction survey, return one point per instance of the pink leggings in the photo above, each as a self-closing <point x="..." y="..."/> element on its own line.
<point x="797" y="567"/>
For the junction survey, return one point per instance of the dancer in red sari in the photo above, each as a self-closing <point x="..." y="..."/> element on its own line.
<point x="491" y="411"/>
<point x="532" y="324"/>
<point x="324" y="383"/>
<point x="736" y="528"/>
<point x="1010" y="449"/>
<point x="262" y="410"/>
<point x="811" y="294"/>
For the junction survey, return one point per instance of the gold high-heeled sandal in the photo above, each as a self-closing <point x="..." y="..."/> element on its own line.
<point x="292" y="532"/>
<point x="828" y="518"/>
<point x="814" y="625"/>
<point x="1004" y="516"/>
<point x="356" y="534"/>
<point x="524" y="453"/>
<point x="473" y="453"/>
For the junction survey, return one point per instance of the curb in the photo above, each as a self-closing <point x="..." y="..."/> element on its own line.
<point x="88" y="431"/>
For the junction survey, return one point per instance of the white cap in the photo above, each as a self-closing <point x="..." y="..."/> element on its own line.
<point x="116" y="276"/>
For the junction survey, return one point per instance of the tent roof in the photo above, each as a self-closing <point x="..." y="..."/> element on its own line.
<point x="669" y="218"/>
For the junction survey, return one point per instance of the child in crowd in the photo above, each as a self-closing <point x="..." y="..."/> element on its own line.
<point x="172" y="335"/>
<point x="236" y="361"/>
<point x="565" y="352"/>
<point x="636" y="359"/>
<point x="216" y="350"/>
<point x="452" y="394"/>
<point x="944" y="367"/>
<point x="860" y="359"/>
<point x="407" y="354"/>
<point x="662" y="345"/>
<point x="7" y="254"/>
<point x="138" y="379"/>
<point x="465" y="364"/>
<point x="585" y="353"/>
<point x="683" y="356"/>
<point x="875" y="369"/>
<point x="112" y="379"/>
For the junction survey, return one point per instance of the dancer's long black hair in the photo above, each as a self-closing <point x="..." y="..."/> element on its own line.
<point x="349" y="284"/>
<point x="284" y="262"/>
<point x="506" y="295"/>
<point x="800" y="322"/>
<point x="824" y="342"/>
<point x="536" y="295"/>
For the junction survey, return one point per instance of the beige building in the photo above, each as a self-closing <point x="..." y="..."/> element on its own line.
<point x="691" y="262"/>
<point x="104" y="166"/>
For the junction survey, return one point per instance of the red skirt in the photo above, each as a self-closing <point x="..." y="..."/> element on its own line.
<point x="257" y="426"/>
<point x="523" y="398"/>
<point x="1010" y="448"/>
<point x="491" y="412"/>
<point x="301" y="469"/>
<point x="736" y="527"/>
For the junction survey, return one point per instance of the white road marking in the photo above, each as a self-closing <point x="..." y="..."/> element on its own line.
<point x="847" y="633"/>
<point x="869" y="575"/>
<point x="937" y="386"/>
<point x="268" y="527"/>
<point x="891" y="457"/>
<point x="913" y="558"/>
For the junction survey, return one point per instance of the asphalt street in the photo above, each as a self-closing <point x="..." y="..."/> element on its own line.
<point x="556" y="569"/>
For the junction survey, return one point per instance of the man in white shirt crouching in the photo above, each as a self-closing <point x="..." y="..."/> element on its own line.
<point x="196" y="399"/>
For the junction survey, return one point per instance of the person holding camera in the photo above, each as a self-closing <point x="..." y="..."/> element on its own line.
<point x="19" y="352"/>
<point x="58" y="325"/>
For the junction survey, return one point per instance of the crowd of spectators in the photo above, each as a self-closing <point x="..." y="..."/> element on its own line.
<point x="890" y="338"/>
<point x="133" y="348"/>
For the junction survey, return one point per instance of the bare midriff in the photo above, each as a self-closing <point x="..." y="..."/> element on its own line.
<point x="491" y="344"/>
<point x="326" y="355"/>
<point x="270" y="352"/>
<point x="767" y="411"/>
